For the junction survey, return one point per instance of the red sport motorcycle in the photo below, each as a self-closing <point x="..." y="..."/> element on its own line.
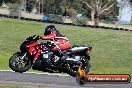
<point x="39" y="56"/>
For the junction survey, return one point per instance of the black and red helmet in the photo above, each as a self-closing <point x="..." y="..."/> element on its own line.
<point x="49" y="29"/>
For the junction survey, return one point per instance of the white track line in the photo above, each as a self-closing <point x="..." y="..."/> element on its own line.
<point x="55" y="74"/>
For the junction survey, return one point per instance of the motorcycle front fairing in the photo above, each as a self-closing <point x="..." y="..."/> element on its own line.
<point x="24" y="44"/>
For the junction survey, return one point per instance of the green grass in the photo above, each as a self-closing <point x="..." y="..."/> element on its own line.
<point x="112" y="50"/>
<point x="12" y="87"/>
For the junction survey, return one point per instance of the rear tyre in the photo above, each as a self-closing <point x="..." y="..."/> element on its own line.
<point x="19" y="65"/>
<point x="85" y="66"/>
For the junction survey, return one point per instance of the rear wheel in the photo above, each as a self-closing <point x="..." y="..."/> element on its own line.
<point x="72" y="69"/>
<point x="19" y="62"/>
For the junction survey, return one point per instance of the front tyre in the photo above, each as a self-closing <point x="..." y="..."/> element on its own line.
<point x="84" y="65"/>
<point x="19" y="62"/>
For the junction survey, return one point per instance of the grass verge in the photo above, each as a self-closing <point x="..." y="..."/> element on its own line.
<point x="112" y="50"/>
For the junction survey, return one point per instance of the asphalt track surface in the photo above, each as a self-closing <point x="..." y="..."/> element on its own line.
<point x="49" y="81"/>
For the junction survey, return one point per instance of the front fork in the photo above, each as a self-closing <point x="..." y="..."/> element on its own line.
<point x="23" y="56"/>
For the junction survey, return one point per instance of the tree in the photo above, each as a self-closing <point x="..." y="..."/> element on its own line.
<point x="30" y="4"/>
<point x="130" y="2"/>
<point x="10" y="1"/>
<point x="99" y="8"/>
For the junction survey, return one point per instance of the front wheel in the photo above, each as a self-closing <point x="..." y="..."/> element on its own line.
<point x="72" y="69"/>
<point x="19" y="62"/>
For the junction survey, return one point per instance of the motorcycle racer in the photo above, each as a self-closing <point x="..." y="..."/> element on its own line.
<point x="60" y="41"/>
<point x="53" y="55"/>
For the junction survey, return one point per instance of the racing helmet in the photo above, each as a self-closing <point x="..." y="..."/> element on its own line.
<point x="49" y="29"/>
